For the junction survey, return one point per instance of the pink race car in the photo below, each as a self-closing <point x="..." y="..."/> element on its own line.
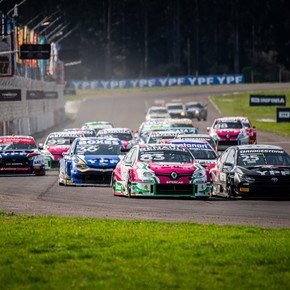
<point x="56" y="144"/>
<point x="160" y="170"/>
<point x="228" y="131"/>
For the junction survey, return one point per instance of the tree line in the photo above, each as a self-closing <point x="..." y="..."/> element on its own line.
<point x="139" y="38"/>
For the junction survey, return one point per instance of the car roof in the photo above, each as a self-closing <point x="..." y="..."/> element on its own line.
<point x="258" y="146"/>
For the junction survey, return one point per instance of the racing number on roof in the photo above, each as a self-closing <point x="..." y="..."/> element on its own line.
<point x="149" y="157"/>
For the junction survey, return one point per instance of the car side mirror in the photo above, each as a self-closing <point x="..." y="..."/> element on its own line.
<point x="227" y="167"/>
<point x="207" y="129"/>
<point x="40" y="146"/>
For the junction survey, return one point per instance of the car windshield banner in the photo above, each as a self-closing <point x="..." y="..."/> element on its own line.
<point x="267" y="100"/>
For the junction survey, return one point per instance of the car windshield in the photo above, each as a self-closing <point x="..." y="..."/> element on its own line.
<point x="157" y="139"/>
<point x="203" y="154"/>
<point x="169" y="156"/>
<point x="121" y="136"/>
<point x="228" y="125"/>
<point x="175" y="107"/>
<point x="97" y="149"/>
<point x="263" y="158"/>
<point x="17" y="146"/>
<point x="185" y="130"/>
<point x="246" y="124"/>
<point x="89" y="133"/>
<point x="199" y="106"/>
<point x="58" y="141"/>
<point x="158" y="111"/>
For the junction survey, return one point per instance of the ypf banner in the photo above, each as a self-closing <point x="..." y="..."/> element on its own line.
<point x="159" y="82"/>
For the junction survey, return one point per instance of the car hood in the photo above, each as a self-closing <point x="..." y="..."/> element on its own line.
<point x="100" y="160"/>
<point x="226" y="133"/>
<point x="265" y="170"/>
<point x="169" y="167"/>
<point x="15" y="153"/>
<point x="175" y="111"/>
<point x="58" y="149"/>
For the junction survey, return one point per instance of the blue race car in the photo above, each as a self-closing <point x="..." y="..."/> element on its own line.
<point x="90" y="161"/>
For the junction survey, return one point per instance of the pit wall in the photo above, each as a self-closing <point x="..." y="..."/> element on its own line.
<point x="27" y="117"/>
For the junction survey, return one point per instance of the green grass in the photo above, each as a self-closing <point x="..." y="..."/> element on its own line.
<point x="238" y="104"/>
<point x="81" y="253"/>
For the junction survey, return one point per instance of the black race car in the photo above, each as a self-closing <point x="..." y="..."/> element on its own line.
<point x="196" y="110"/>
<point x="252" y="171"/>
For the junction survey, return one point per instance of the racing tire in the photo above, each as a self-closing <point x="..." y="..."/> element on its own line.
<point x="202" y="197"/>
<point x="129" y="188"/>
<point x="113" y="181"/>
<point x="39" y="172"/>
<point x="230" y="190"/>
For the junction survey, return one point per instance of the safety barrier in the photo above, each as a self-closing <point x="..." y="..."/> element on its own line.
<point x="28" y="116"/>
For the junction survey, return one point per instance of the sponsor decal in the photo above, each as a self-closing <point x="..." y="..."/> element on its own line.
<point x="249" y="151"/>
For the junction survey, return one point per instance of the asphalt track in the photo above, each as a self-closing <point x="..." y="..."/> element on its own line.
<point x="42" y="195"/>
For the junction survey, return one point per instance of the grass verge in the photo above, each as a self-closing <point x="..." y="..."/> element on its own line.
<point x="238" y="105"/>
<point x="73" y="253"/>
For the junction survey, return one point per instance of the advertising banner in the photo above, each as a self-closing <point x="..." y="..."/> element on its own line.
<point x="267" y="100"/>
<point x="159" y="82"/>
<point x="34" y="95"/>
<point x="283" y="114"/>
<point x="10" y="95"/>
<point x="51" y="95"/>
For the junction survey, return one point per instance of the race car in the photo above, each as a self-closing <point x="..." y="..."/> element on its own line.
<point x="157" y="113"/>
<point x="19" y="155"/>
<point x="90" y="161"/>
<point x="196" y="110"/>
<point x="202" y="152"/>
<point x="161" y="136"/>
<point x="126" y="136"/>
<point x="160" y="171"/>
<point x="252" y="171"/>
<point x="175" y="122"/>
<point x="97" y="125"/>
<point x="84" y="132"/>
<point x="55" y="145"/>
<point x="228" y="131"/>
<point x="205" y="137"/>
<point x="176" y="110"/>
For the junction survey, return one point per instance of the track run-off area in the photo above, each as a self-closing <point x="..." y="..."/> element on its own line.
<point x="42" y="195"/>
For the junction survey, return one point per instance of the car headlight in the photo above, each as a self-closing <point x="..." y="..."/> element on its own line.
<point x="80" y="164"/>
<point x="144" y="174"/>
<point x="215" y="136"/>
<point x="182" y="114"/>
<point x="245" y="178"/>
<point x="199" y="174"/>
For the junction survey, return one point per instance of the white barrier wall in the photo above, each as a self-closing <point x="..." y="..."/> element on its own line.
<point x="29" y="116"/>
